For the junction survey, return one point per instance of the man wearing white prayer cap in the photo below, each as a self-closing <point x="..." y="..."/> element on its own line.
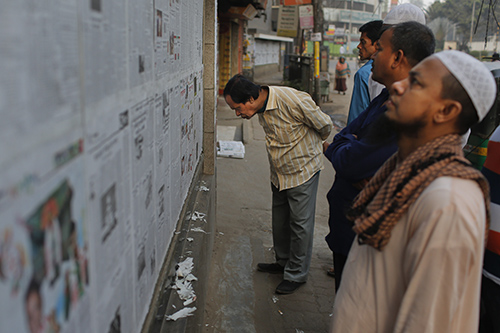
<point x="416" y="262"/>
<point x="404" y="13"/>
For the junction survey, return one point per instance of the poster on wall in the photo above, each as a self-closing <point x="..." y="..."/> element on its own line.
<point x="44" y="261"/>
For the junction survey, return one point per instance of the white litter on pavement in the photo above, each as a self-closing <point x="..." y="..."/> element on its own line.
<point x="183" y="284"/>
<point x="275" y="299"/>
<point x="189" y="301"/>
<point x="190" y="239"/>
<point x="234" y="149"/>
<point x="183" y="313"/>
<point x="198" y="229"/>
<point x="198" y="216"/>
<point x="184" y="268"/>
<point x="204" y="188"/>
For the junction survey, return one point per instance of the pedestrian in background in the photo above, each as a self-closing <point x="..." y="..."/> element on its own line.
<point x="416" y="262"/>
<point x="295" y="127"/>
<point x="342" y="71"/>
<point x="490" y="289"/>
<point x="361" y="97"/>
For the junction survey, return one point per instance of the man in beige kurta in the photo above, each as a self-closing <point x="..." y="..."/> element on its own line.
<point x="415" y="265"/>
<point x="427" y="278"/>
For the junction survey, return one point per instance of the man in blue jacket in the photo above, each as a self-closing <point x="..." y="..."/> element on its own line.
<point x="354" y="153"/>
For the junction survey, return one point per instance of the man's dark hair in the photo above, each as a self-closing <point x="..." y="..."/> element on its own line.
<point x="452" y="89"/>
<point x="414" y="39"/>
<point x="372" y="29"/>
<point x="241" y="89"/>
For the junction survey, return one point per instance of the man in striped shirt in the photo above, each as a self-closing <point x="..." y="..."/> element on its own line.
<point x="295" y="127"/>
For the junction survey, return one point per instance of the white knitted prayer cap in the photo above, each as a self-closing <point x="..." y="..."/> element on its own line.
<point x="404" y="13"/>
<point x="474" y="77"/>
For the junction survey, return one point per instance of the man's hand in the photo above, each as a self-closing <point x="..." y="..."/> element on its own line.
<point x="325" y="146"/>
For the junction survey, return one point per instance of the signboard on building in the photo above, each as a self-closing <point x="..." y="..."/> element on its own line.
<point x="339" y="32"/>
<point x="288" y="21"/>
<point x="247" y="12"/>
<point x="316" y="37"/>
<point x="296" y="2"/>
<point x="306" y="17"/>
<point x="331" y="30"/>
<point x="357" y="16"/>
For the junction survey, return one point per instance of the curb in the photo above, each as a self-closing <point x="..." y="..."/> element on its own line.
<point x="165" y="300"/>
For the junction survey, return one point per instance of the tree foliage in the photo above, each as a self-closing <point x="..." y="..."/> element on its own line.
<point x="460" y="13"/>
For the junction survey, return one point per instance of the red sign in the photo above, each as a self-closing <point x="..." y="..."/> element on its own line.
<point x="296" y="2"/>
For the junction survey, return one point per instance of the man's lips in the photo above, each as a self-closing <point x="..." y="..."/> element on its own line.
<point x="390" y="102"/>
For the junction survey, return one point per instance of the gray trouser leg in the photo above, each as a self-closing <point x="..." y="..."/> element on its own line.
<point x="293" y="228"/>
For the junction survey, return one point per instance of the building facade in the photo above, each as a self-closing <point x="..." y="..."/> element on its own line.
<point x="339" y="15"/>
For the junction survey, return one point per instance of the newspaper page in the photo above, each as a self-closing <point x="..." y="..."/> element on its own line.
<point x="109" y="209"/>
<point x="143" y="202"/>
<point x="162" y="171"/>
<point x="39" y="95"/>
<point x="140" y="18"/>
<point x="175" y="36"/>
<point x="175" y="153"/>
<point x="162" y="59"/>
<point x="104" y="52"/>
<point x="186" y="118"/>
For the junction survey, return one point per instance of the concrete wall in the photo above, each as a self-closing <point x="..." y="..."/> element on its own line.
<point x="107" y="111"/>
<point x="263" y="70"/>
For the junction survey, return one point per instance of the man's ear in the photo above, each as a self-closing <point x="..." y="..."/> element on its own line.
<point x="398" y="58"/>
<point x="251" y="100"/>
<point x="449" y="112"/>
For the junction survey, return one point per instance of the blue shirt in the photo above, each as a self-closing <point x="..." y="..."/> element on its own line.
<point x="360" y="94"/>
<point x="355" y="158"/>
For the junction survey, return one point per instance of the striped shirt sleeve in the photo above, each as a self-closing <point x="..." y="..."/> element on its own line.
<point x="294" y="126"/>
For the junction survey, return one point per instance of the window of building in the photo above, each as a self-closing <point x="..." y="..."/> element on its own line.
<point x="358" y="6"/>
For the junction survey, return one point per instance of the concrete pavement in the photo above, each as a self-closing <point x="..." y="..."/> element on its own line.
<point x="240" y="299"/>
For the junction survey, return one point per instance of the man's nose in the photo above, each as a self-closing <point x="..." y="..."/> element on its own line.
<point x="398" y="87"/>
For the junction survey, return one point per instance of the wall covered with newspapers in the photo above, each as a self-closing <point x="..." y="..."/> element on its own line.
<point x="101" y="131"/>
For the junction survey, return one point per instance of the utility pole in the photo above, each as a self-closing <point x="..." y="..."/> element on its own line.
<point x="348" y="48"/>
<point x="472" y="23"/>
<point x="318" y="28"/>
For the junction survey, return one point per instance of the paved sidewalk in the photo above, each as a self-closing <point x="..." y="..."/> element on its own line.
<point x="239" y="298"/>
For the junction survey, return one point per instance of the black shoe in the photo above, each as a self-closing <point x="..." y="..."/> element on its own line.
<point x="274" y="268"/>
<point x="288" y="287"/>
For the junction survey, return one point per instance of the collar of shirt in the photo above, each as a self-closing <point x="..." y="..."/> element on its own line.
<point x="265" y="103"/>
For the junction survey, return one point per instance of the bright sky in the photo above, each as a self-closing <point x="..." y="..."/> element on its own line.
<point x="426" y="2"/>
